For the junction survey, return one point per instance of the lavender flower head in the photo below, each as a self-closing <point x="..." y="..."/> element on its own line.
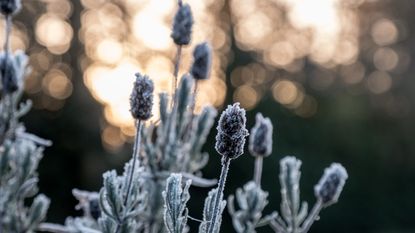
<point x="331" y="184"/>
<point x="141" y="99"/>
<point x="290" y="172"/>
<point x="8" y="7"/>
<point x="230" y="139"/>
<point x="182" y="25"/>
<point x="9" y="73"/>
<point x="202" y="59"/>
<point x="260" y="140"/>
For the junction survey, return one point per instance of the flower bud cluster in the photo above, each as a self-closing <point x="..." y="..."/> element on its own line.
<point x="141" y="99"/>
<point x="331" y="184"/>
<point x="182" y="25"/>
<point x="202" y="56"/>
<point x="230" y="139"/>
<point x="260" y="140"/>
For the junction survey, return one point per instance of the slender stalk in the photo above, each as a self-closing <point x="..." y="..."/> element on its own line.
<point x="277" y="227"/>
<point x="192" y="115"/>
<point x="8" y="29"/>
<point x="194" y="95"/>
<point x="221" y="186"/>
<point x="311" y="217"/>
<point x="6" y="46"/>
<point x="1" y="223"/>
<point x="136" y="151"/>
<point x="176" y="70"/>
<point x="258" y="170"/>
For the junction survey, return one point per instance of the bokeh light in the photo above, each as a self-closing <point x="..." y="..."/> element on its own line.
<point x="332" y="40"/>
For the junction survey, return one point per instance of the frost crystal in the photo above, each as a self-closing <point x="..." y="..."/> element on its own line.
<point x="331" y="184"/>
<point x="230" y="139"/>
<point x="141" y="99"/>
<point x="260" y="140"/>
<point x="202" y="59"/>
<point x="182" y="25"/>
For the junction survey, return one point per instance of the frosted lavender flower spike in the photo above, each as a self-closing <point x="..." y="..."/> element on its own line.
<point x="230" y="139"/>
<point x="8" y="72"/>
<point x="202" y="59"/>
<point x="8" y="7"/>
<point x="331" y="184"/>
<point x="260" y="140"/>
<point x="141" y="99"/>
<point x="182" y="25"/>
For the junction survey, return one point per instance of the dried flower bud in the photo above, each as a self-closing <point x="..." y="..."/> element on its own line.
<point x="8" y="72"/>
<point x="8" y="7"/>
<point x="230" y="139"/>
<point x="260" y="140"/>
<point x="331" y="184"/>
<point x="141" y="99"/>
<point x="182" y="25"/>
<point x="202" y="59"/>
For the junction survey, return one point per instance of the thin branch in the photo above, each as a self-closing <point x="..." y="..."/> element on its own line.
<point x="258" y="170"/>
<point x="176" y="71"/>
<point x="224" y="173"/>
<point x="136" y="151"/>
<point x="311" y="217"/>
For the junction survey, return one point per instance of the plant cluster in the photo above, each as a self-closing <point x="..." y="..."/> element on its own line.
<point x="151" y="194"/>
<point x="20" y="151"/>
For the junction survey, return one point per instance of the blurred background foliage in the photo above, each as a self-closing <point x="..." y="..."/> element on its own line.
<point x="335" y="77"/>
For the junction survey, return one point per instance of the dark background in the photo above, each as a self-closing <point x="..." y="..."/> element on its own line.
<point x="353" y="128"/>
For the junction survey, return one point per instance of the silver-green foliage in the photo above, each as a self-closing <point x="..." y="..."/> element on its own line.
<point x="211" y="221"/>
<point x="20" y="152"/>
<point x="119" y="214"/>
<point x="252" y="201"/>
<point x="175" y="199"/>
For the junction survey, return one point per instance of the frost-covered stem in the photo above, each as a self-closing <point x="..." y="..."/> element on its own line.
<point x="277" y="227"/>
<point x="1" y="224"/>
<point x="258" y="170"/>
<point x="50" y="227"/>
<point x="192" y="109"/>
<point x="8" y="29"/>
<point x="193" y="106"/>
<point x="136" y="151"/>
<point x="176" y="68"/>
<point x="221" y="186"/>
<point x="311" y="217"/>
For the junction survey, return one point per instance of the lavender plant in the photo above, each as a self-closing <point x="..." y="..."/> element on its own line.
<point x="151" y="194"/>
<point x="20" y="152"/>
<point x="294" y="216"/>
<point x="133" y="202"/>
